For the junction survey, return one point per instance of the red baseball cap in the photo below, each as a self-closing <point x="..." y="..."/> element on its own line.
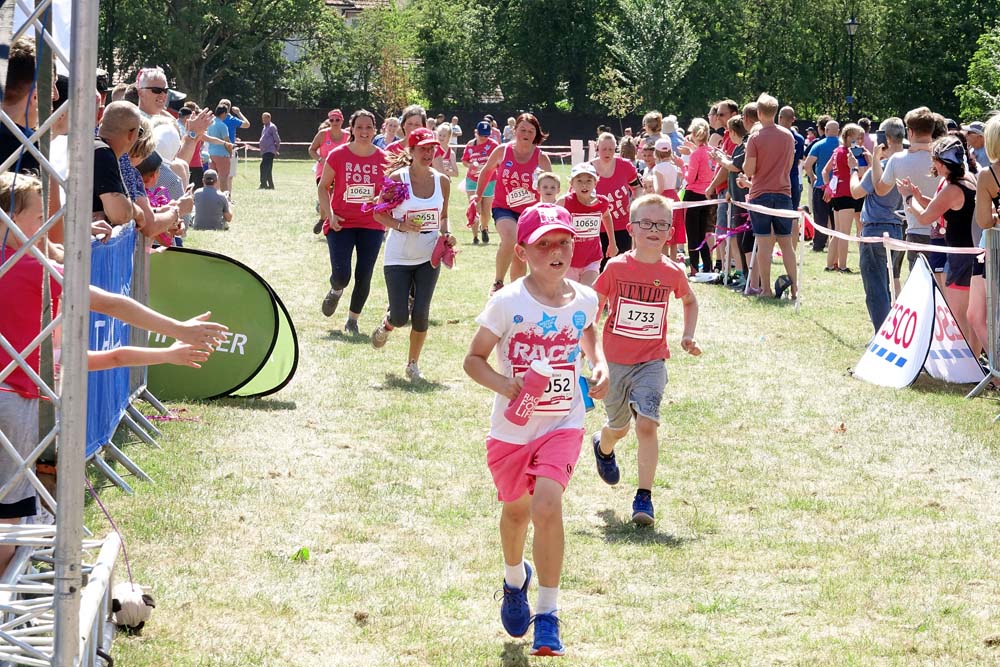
<point x="335" y="114"/>
<point x="540" y="219"/>
<point x="422" y="137"/>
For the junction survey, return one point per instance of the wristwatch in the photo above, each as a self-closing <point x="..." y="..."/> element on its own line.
<point x="193" y="135"/>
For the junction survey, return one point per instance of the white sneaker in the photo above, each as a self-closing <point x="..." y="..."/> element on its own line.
<point x="412" y="372"/>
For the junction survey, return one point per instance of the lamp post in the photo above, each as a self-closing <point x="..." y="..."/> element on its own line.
<point x="852" y="27"/>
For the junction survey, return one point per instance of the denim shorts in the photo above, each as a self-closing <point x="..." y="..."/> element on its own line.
<point x="765" y="224"/>
<point x="500" y="213"/>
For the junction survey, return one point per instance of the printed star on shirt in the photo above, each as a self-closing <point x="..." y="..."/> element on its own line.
<point x="548" y="323"/>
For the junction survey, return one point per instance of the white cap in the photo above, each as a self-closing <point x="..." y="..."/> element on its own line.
<point x="168" y="141"/>
<point x="582" y="168"/>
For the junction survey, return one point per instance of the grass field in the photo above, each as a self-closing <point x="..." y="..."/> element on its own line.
<point x="803" y="517"/>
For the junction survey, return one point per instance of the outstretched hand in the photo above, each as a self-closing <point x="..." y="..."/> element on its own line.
<point x="201" y="333"/>
<point x="183" y="354"/>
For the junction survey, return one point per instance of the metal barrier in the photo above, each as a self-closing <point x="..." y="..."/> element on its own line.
<point x="992" y="314"/>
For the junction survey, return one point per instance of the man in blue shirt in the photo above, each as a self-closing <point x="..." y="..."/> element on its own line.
<point x="878" y="217"/>
<point x="819" y="154"/>
<point x="235" y="120"/>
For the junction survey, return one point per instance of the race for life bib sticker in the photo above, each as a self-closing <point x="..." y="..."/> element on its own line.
<point x="359" y="193"/>
<point x="427" y="218"/>
<point x="558" y="396"/>
<point x="636" y="319"/>
<point x="588" y="225"/>
<point x="520" y="197"/>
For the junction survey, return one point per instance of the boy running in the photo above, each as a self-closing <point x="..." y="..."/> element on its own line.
<point x="542" y="316"/>
<point x="638" y="285"/>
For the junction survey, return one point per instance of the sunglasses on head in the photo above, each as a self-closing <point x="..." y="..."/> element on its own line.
<point x="157" y="90"/>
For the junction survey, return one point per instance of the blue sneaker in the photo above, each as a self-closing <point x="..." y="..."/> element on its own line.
<point x="515" y="613"/>
<point x="547" y="636"/>
<point x="642" y="509"/>
<point x="607" y="466"/>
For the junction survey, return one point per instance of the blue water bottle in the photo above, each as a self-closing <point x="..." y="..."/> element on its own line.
<point x="588" y="402"/>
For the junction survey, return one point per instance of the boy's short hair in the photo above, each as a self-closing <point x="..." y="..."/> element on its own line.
<point x="549" y="174"/>
<point x="15" y="187"/>
<point x="649" y="200"/>
<point x="735" y="125"/>
<point x="20" y="69"/>
<point x="920" y="120"/>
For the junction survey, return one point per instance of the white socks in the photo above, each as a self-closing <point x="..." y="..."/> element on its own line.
<point x="514" y="575"/>
<point x="548" y="599"/>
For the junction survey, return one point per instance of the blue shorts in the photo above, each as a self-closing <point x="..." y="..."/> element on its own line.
<point x="504" y="213"/>
<point x="938" y="260"/>
<point x="765" y="224"/>
<point x="471" y="185"/>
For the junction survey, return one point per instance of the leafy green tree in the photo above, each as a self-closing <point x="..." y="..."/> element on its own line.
<point x="981" y="93"/>
<point x="200" y="41"/>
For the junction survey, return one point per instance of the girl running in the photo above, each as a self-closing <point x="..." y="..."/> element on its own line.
<point x="515" y="164"/>
<point x="416" y="227"/>
<point x="591" y="213"/>
<point x="414" y="116"/>
<point x="477" y="152"/>
<point x="329" y="136"/>
<point x="618" y="180"/>
<point x="352" y="177"/>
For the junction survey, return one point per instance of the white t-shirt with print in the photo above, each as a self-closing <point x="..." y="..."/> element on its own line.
<point x="529" y="330"/>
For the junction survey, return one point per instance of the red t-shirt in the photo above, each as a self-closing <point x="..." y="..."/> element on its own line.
<point x="727" y="146"/>
<point x="196" y="158"/>
<point x="515" y="188"/>
<point x="638" y="294"/>
<point x="617" y="189"/>
<point x="842" y="172"/>
<point x="589" y="221"/>
<point x="396" y="147"/>
<point x="21" y="320"/>
<point x="357" y="180"/>
<point x="477" y="154"/>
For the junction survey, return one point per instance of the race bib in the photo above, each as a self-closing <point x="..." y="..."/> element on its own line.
<point x="558" y="396"/>
<point x="833" y="183"/>
<point x="636" y="319"/>
<point x="427" y="218"/>
<point x="588" y="225"/>
<point x="520" y="197"/>
<point x="359" y="193"/>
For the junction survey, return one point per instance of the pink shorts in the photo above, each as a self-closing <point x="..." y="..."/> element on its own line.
<point x="576" y="272"/>
<point x="515" y="467"/>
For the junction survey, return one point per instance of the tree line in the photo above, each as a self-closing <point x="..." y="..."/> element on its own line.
<point x="604" y="56"/>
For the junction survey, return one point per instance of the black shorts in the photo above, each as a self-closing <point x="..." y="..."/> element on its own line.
<point x="843" y="203"/>
<point x="960" y="271"/>
<point x="19" y="509"/>
<point x="978" y="268"/>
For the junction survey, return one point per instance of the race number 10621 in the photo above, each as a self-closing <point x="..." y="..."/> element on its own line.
<point x="900" y="326"/>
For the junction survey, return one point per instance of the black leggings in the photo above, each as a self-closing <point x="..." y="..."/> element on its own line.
<point x="342" y="244"/>
<point x="696" y="226"/>
<point x="622" y="239"/>
<point x="401" y="281"/>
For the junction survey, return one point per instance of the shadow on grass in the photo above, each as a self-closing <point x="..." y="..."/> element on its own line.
<point x="393" y="381"/>
<point x="925" y="384"/>
<point x="263" y="404"/>
<point x="620" y="531"/>
<point x="514" y="655"/>
<point x="837" y="337"/>
<point x="341" y="337"/>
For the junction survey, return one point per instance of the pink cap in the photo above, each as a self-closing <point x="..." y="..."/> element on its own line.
<point x="540" y="219"/>
<point x="422" y="137"/>
<point x="335" y="114"/>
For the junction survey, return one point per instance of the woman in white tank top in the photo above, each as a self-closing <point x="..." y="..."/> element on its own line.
<point x="415" y="227"/>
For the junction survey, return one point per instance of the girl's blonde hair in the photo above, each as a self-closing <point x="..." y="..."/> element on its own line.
<point x="992" y="136"/>
<point x="699" y="130"/>
<point x="548" y="174"/>
<point x="849" y="130"/>
<point x="145" y="144"/>
<point x="16" y="189"/>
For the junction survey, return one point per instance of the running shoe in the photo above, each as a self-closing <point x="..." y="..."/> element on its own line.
<point x="318" y="227"/>
<point x="351" y="327"/>
<point x="515" y="613"/>
<point x="413" y="373"/>
<point x="331" y="301"/>
<point x="497" y="286"/>
<point x="642" y="509"/>
<point x="380" y="335"/>
<point x="475" y="238"/>
<point x="607" y="466"/>
<point x="486" y="236"/>
<point x="547" y="636"/>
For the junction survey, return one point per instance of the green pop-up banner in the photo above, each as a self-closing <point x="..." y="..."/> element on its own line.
<point x="260" y="352"/>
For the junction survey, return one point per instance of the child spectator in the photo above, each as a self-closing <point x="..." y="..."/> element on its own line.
<point x="542" y="316"/>
<point x="549" y="185"/>
<point x="637" y="287"/>
<point x="590" y="212"/>
<point x="668" y="171"/>
<point x="22" y="305"/>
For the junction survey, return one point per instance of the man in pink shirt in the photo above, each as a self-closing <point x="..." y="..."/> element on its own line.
<point x="770" y="153"/>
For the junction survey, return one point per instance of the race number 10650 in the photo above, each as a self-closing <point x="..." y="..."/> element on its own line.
<point x="900" y="326"/>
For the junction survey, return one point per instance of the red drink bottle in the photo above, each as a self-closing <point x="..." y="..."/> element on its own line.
<point x="520" y="409"/>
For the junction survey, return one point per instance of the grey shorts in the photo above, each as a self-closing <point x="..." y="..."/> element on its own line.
<point x="635" y="390"/>
<point x="19" y="422"/>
